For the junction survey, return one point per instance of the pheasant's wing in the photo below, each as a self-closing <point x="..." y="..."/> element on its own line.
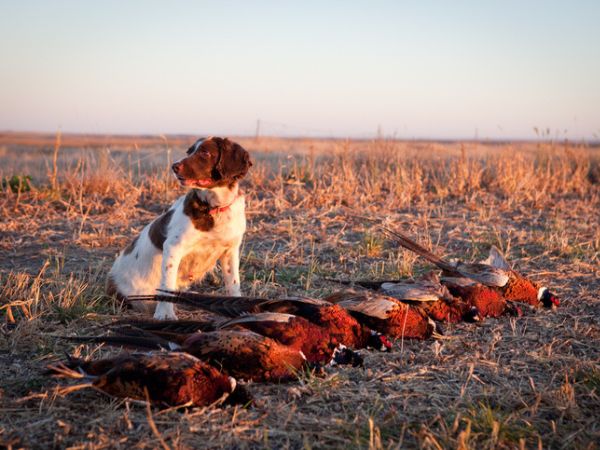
<point x="346" y="294"/>
<point x="367" y="284"/>
<point x="259" y="317"/>
<point x="459" y="281"/>
<point x="306" y="300"/>
<point x="496" y="259"/>
<point x="414" y="292"/>
<point x="375" y="306"/>
<point x="483" y="273"/>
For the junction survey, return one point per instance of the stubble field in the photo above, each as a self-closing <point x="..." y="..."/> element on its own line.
<point x="313" y="207"/>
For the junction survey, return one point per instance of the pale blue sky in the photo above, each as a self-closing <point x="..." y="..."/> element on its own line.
<point x="437" y="69"/>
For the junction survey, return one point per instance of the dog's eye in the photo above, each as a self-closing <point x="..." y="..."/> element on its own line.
<point x="204" y="153"/>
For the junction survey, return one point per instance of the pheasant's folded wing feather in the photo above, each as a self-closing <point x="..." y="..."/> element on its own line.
<point x="484" y="274"/>
<point x="411" y="292"/>
<point x="378" y="307"/>
<point x="260" y="317"/>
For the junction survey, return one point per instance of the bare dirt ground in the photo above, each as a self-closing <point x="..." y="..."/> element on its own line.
<point x="508" y="383"/>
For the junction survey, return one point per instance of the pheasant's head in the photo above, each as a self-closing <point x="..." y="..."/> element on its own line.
<point x="547" y="298"/>
<point x="472" y="315"/>
<point x="239" y="395"/>
<point x="379" y="342"/>
<point x="345" y="356"/>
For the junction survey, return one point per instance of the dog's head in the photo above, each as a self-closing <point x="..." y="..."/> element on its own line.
<point x="212" y="162"/>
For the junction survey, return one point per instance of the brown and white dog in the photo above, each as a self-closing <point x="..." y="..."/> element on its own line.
<point x="203" y="226"/>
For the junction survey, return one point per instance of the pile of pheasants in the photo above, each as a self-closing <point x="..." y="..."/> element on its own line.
<point x="196" y="363"/>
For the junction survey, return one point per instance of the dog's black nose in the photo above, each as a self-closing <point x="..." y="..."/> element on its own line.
<point x="176" y="167"/>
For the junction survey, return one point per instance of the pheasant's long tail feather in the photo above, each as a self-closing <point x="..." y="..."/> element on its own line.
<point x="338" y="281"/>
<point x="219" y="304"/>
<point x="139" y="342"/>
<point x="411" y="245"/>
<point x="367" y="284"/>
<point x="64" y="371"/>
<point x="169" y="337"/>
<point x="174" y="326"/>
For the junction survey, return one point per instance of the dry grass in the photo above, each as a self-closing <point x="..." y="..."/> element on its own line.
<point x="502" y="384"/>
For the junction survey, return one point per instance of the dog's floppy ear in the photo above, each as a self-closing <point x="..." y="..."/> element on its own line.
<point x="235" y="160"/>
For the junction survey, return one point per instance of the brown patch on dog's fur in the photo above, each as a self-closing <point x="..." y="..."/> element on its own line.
<point x="131" y="246"/>
<point x="158" y="229"/>
<point x="198" y="211"/>
<point x="234" y="164"/>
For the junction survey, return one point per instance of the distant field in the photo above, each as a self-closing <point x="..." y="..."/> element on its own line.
<point x="312" y="204"/>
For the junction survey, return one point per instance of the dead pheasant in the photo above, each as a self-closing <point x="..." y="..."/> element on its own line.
<point x="488" y="300"/>
<point x="426" y="294"/>
<point x="315" y="341"/>
<point x="165" y="379"/>
<point x="385" y="314"/>
<point x="494" y="272"/>
<point x="468" y="301"/>
<point x="242" y="354"/>
<point x="341" y="326"/>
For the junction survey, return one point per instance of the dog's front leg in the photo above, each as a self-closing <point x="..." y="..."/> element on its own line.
<point x="172" y="256"/>
<point x="230" y="265"/>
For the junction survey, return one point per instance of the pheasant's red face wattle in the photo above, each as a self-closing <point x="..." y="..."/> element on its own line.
<point x="385" y="343"/>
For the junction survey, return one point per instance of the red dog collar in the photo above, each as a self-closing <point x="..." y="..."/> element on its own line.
<point x="220" y="209"/>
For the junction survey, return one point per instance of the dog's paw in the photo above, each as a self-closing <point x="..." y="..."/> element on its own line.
<point x="165" y="311"/>
<point x="234" y="292"/>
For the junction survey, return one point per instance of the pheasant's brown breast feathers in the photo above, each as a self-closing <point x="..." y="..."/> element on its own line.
<point x="447" y="309"/>
<point x="489" y="301"/>
<point x="520" y="289"/>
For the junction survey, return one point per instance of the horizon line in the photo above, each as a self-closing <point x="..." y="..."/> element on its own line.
<point x="595" y="141"/>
